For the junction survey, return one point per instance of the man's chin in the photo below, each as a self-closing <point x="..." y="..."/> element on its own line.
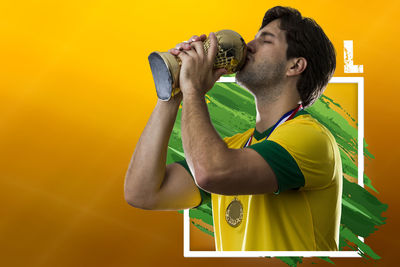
<point x="240" y="78"/>
<point x="243" y="80"/>
<point x="237" y="79"/>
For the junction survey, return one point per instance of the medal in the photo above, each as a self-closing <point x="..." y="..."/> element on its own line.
<point x="234" y="213"/>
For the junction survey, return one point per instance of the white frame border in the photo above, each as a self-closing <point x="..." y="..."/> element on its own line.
<point x="256" y="254"/>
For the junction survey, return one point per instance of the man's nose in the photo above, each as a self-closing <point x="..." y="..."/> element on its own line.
<point x="251" y="47"/>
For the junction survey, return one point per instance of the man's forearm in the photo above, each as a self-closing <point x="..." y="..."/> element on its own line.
<point x="202" y="144"/>
<point x="147" y="168"/>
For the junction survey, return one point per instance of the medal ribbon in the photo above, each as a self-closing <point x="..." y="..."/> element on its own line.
<point x="287" y="116"/>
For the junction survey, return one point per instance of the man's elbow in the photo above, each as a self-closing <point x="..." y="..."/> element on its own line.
<point x="138" y="201"/>
<point x="218" y="182"/>
<point x="207" y="182"/>
<point x="210" y="176"/>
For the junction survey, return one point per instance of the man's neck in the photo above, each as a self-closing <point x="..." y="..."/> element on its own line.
<point x="268" y="113"/>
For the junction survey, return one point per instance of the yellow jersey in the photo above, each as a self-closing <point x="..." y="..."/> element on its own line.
<point x="304" y="215"/>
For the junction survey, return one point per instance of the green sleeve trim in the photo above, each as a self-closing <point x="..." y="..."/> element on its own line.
<point x="287" y="172"/>
<point x="205" y="196"/>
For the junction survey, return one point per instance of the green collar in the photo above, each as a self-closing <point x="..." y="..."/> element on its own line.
<point x="258" y="136"/>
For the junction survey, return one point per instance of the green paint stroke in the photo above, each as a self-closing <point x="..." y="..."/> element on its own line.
<point x="291" y="261"/>
<point x="232" y="111"/>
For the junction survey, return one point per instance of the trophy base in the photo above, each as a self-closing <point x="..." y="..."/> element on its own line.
<point x="162" y="75"/>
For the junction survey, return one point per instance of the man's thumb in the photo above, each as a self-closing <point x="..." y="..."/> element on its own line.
<point x="219" y="72"/>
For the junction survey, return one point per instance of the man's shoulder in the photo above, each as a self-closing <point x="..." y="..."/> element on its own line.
<point x="313" y="147"/>
<point x="305" y="137"/>
<point x="303" y="127"/>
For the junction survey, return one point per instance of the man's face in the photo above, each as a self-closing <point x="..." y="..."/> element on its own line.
<point x="266" y="60"/>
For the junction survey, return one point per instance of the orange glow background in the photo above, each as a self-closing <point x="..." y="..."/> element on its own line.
<point x="76" y="91"/>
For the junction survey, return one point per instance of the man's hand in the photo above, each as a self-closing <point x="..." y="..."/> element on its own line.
<point x="197" y="75"/>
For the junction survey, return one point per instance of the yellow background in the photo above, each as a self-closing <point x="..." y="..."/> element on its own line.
<point x="76" y="91"/>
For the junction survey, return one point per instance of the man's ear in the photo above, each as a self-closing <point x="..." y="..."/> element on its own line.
<point x="297" y="66"/>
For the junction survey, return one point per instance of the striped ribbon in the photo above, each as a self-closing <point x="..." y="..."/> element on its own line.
<point x="287" y="116"/>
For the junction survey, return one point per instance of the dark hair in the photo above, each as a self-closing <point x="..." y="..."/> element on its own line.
<point x="305" y="38"/>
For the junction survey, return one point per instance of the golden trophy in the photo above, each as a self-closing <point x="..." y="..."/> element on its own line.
<point x="165" y="67"/>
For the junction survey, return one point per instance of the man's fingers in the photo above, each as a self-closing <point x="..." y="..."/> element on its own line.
<point x="183" y="46"/>
<point x="174" y="51"/>
<point x="183" y="55"/>
<point x="196" y="38"/>
<point x="203" y="37"/>
<point x="218" y="73"/>
<point x="186" y="45"/>
<point x="199" y="47"/>
<point x="212" y="50"/>
<point x="192" y="53"/>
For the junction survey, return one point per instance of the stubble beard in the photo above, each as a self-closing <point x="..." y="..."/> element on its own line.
<point x="262" y="80"/>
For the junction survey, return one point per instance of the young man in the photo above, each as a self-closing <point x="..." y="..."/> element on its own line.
<point x="276" y="187"/>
